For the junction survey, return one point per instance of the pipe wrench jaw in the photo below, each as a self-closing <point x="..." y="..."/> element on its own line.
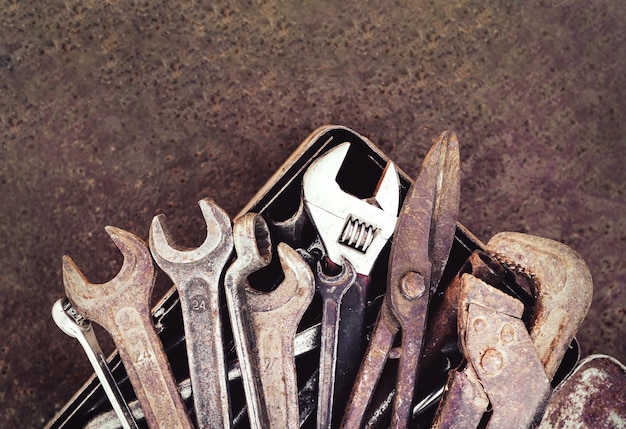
<point x="350" y="227"/>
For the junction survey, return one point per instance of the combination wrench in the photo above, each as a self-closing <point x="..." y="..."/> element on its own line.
<point x="265" y="323"/>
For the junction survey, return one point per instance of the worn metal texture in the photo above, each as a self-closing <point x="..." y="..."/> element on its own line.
<point x="65" y="316"/>
<point x="592" y="397"/>
<point x="331" y="289"/>
<point x="122" y="307"/>
<point x="197" y="273"/>
<point x="501" y="352"/>
<point x="419" y="251"/>
<point x="113" y="112"/>
<point x="265" y="323"/>
<point x="562" y="286"/>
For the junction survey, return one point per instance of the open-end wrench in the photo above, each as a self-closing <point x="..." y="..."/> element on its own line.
<point x="265" y="323"/>
<point x="419" y="252"/>
<point x="356" y="231"/>
<point x="76" y="326"/>
<point x="122" y="307"/>
<point x="332" y="289"/>
<point x="196" y="274"/>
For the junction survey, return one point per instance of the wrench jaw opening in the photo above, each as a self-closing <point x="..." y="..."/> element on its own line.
<point x="137" y="268"/>
<point x="252" y="228"/>
<point x="219" y="231"/>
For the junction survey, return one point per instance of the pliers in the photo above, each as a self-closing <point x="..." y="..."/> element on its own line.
<point x="419" y="252"/>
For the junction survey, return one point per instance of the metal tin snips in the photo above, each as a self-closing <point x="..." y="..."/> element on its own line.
<point x="419" y="252"/>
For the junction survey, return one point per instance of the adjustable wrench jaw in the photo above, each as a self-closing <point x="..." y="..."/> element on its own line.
<point x="350" y="227"/>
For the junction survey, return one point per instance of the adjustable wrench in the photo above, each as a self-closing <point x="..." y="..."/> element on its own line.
<point x="352" y="231"/>
<point x="196" y="274"/>
<point x="264" y="324"/>
<point x="121" y="306"/>
<point x="76" y="326"/>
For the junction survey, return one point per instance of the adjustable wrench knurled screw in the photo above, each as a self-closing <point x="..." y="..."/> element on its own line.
<point x="122" y="307"/>
<point x="196" y="274"/>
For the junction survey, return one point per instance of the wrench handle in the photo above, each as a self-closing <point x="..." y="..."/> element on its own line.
<point x="94" y="353"/>
<point x="351" y="341"/>
<point x="207" y="365"/>
<point x="328" y="353"/>
<point x="277" y="369"/>
<point x="149" y="371"/>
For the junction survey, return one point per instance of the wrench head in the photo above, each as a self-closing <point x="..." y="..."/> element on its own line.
<point x="295" y="291"/>
<point x="134" y="281"/>
<point x="350" y="227"/>
<point x="217" y="245"/>
<point x="67" y="319"/>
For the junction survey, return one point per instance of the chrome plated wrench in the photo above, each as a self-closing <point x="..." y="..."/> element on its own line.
<point x="76" y="326"/>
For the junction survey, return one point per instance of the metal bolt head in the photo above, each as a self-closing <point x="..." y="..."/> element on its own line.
<point x="492" y="361"/>
<point x="412" y="285"/>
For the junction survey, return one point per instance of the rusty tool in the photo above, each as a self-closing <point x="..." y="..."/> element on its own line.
<point x="306" y="341"/>
<point x="196" y="274"/>
<point x="76" y="326"/>
<point x="419" y="252"/>
<point x="502" y="369"/>
<point x="593" y="396"/>
<point x="265" y="323"/>
<point x="122" y="307"/>
<point x="352" y="231"/>
<point x="562" y="287"/>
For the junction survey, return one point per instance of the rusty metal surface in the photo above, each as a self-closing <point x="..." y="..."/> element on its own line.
<point x="419" y="252"/>
<point x="500" y="349"/>
<point x="113" y="112"/>
<point x="562" y="286"/>
<point x="122" y="307"/>
<point x="594" y="396"/>
<point x="197" y="274"/>
<point x="265" y="323"/>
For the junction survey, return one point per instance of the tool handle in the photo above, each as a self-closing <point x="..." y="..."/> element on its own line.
<point x="277" y="369"/>
<point x="199" y="299"/>
<point x="370" y="371"/>
<point x="149" y="371"/>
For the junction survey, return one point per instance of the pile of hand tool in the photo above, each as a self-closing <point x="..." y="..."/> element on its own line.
<point x="344" y="295"/>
